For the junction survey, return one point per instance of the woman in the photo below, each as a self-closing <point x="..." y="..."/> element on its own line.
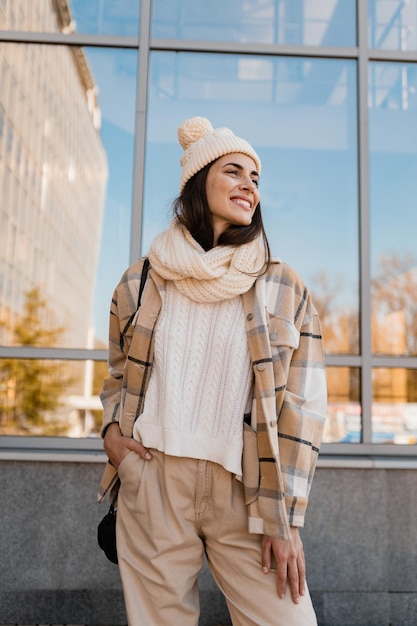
<point x="214" y="409"/>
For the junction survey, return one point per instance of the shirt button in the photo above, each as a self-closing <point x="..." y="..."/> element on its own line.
<point x="272" y="424"/>
<point x="249" y="316"/>
<point x="273" y="336"/>
<point x="260" y="366"/>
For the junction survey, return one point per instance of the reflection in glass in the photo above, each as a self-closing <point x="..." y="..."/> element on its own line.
<point x="58" y="144"/>
<point x="324" y="23"/>
<point x="392" y="24"/>
<point x="107" y="17"/>
<point x="301" y="117"/>
<point x="394" y="408"/>
<point x="393" y="175"/>
<point x="50" y="398"/>
<point x="344" y="418"/>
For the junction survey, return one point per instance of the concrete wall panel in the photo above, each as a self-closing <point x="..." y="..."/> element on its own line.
<point x="360" y="542"/>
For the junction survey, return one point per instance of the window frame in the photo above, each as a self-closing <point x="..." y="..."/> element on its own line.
<point x="60" y="448"/>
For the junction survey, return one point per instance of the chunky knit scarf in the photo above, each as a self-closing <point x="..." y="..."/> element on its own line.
<point x="205" y="276"/>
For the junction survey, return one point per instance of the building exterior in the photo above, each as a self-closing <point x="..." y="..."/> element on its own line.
<point x="326" y="91"/>
<point x="53" y="174"/>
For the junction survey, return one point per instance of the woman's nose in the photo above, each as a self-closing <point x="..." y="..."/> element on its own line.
<point x="249" y="185"/>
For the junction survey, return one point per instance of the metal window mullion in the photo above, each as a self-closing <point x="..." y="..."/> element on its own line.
<point x="364" y="224"/>
<point x="237" y="47"/>
<point x="393" y="56"/>
<point x="74" y="39"/>
<point x="343" y="360"/>
<point x="140" y="131"/>
<point x="52" y="353"/>
<point x="371" y="450"/>
<point x="387" y="361"/>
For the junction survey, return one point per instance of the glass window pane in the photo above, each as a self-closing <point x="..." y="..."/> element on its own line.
<point x="394" y="409"/>
<point x="393" y="189"/>
<point x="65" y="186"/>
<point x="301" y="117"/>
<point x="344" y="419"/>
<point x="106" y="17"/>
<point x="55" y="398"/>
<point x="325" y="23"/>
<point x="392" y="24"/>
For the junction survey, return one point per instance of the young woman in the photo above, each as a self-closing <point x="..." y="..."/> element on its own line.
<point x="215" y="404"/>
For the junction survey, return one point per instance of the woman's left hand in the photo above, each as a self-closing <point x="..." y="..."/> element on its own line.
<point x="290" y="563"/>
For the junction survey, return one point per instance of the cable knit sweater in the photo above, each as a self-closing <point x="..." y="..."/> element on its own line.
<point x="200" y="381"/>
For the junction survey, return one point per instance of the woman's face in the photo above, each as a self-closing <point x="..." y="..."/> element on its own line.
<point x="232" y="192"/>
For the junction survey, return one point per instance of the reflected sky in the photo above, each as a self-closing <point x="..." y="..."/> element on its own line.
<point x="300" y="115"/>
<point x="115" y="72"/>
<point x="393" y="157"/>
<point x="392" y="24"/>
<point x="296" y="22"/>
<point x="393" y="189"/>
<point x="106" y="17"/>
<point x="95" y="17"/>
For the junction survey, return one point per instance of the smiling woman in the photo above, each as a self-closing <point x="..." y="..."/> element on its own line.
<point x="216" y="331"/>
<point x="232" y="192"/>
<point x="215" y="183"/>
<point x="326" y="93"/>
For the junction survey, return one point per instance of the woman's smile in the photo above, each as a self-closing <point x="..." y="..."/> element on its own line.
<point x="242" y="202"/>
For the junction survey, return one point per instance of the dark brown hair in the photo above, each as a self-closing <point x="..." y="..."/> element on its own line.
<point x="192" y="211"/>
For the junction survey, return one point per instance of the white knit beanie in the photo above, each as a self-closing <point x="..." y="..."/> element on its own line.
<point x="203" y="144"/>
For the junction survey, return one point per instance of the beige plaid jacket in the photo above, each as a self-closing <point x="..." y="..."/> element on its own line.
<point x="283" y="433"/>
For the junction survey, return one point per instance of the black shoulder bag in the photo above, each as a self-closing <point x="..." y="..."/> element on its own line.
<point x="106" y="530"/>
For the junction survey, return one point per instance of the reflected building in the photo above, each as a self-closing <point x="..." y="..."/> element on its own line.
<point x="53" y="174"/>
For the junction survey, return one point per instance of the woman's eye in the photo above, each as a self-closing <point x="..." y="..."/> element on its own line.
<point x="232" y="172"/>
<point x="255" y="182"/>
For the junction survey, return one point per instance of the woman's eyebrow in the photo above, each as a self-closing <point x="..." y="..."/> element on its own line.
<point x="240" y="167"/>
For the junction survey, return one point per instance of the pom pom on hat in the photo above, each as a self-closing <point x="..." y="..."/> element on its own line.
<point x="203" y="144"/>
<point x="193" y="129"/>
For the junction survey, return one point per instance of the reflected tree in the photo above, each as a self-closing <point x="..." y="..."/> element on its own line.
<point x="341" y="336"/>
<point x="31" y="389"/>
<point x="394" y="305"/>
<point x="339" y="325"/>
<point x="100" y="373"/>
<point x="394" y="315"/>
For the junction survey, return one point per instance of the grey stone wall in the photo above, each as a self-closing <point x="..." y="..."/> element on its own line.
<point x="361" y="546"/>
<point x="360" y="542"/>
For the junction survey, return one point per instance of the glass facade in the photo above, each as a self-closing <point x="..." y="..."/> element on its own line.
<point x="392" y="24"/>
<point x="394" y="408"/>
<point x="66" y="183"/>
<point x="91" y="95"/>
<point x="393" y="187"/>
<point x="304" y="130"/>
<point x="106" y="17"/>
<point x="296" y="22"/>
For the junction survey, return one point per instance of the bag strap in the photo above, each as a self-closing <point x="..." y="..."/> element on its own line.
<point x="143" y="277"/>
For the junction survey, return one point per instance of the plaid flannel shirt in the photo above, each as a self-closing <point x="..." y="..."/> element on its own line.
<point x="282" y="436"/>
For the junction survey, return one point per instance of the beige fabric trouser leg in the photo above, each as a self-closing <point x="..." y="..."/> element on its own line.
<point x="171" y="510"/>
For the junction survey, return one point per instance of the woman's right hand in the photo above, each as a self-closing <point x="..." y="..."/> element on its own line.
<point x="117" y="447"/>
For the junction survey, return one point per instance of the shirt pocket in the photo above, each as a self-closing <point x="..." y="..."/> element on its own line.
<point x="284" y="339"/>
<point x="282" y="332"/>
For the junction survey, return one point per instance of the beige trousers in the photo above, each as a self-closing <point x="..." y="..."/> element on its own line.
<point x="170" y="511"/>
